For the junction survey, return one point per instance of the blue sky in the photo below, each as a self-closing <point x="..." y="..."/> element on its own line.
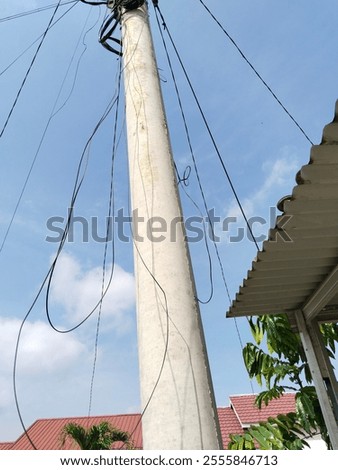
<point x="293" y="47"/>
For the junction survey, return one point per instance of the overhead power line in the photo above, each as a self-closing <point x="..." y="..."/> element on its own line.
<point x="257" y="73"/>
<point x="109" y="229"/>
<point x="37" y="39"/>
<point x="184" y="179"/>
<point x="207" y="125"/>
<point x="53" y="113"/>
<point x="46" y="283"/>
<point x="36" y="10"/>
<point x="29" y="70"/>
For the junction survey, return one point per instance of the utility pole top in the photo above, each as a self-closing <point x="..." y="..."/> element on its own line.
<point x="127" y="4"/>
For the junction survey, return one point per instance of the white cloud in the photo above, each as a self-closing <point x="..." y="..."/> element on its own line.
<point x="279" y="174"/>
<point x="279" y="181"/>
<point x="78" y="291"/>
<point x="41" y="351"/>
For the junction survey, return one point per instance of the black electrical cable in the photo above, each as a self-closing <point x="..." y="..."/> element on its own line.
<point x="186" y="175"/>
<point x="107" y="33"/>
<point x="278" y="101"/>
<point x="37" y="39"/>
<point x="78" y="62"/>
<point x="257" y="73"/>
<point x="218" y="153"/>
<point x="94" y="3"/>
<point x="52" y="115"/>
<point x="19" y="337"/>
<point x="204" y="302"/>
<point x="192" y="153"/>
<point x="15" y="361"/>
<point x="29" y="70"/>
<point x="195" y="167"/>
<point x="77" y="187"/>
<point x="36" y="10"/>
<point x="167" y="332"/>
<point x="197" y="175"/>
<point x="184" y="180"/>
<point x="112" y="21"/>
<point x="109" y="229"/>
<point x="166" y="346"/>
<point x="117" y="5"/>
<point x="48" y="276"/>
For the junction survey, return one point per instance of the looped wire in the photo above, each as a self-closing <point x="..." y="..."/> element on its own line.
<point x="185" y="177"/>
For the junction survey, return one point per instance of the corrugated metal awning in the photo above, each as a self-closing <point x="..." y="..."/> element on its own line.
<point x="297" y="267"/>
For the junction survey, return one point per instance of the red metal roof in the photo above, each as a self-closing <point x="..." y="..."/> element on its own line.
<point x="248" y="413"/>
<point x="6" y="445"/>
<point x="45" y="433"/>
<point x="229" y="424"/>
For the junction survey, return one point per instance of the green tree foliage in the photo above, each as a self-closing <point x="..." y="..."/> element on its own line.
<point x="283" y="367"/>
<point x="97" y="437"/>
<point x="281" y="433"/>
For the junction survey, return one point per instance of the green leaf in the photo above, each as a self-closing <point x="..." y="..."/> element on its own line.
<point x="268" y="395"/>
<point x="241" y="442"/>
<point x="264" y="443"/>
<point x="256" y="331"/>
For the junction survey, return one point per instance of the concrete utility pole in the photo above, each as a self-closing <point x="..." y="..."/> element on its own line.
<point x="176" y="389"/>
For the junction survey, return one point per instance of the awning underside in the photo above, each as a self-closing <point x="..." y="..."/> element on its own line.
<point x="297" y="267"/>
